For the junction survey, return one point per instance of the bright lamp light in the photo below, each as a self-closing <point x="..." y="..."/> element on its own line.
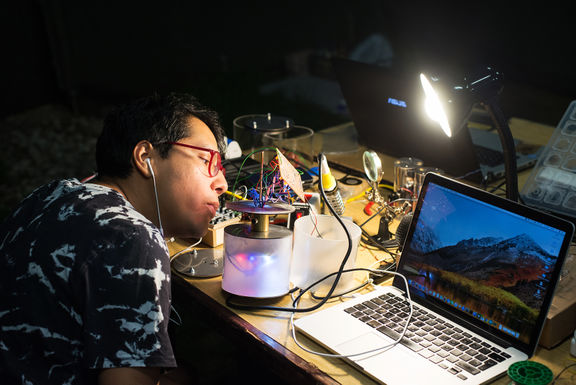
<point x="449" y="104"/>
<point x="434" y="107"/>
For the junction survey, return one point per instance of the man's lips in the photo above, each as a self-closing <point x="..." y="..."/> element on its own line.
<point x="213" y="207"/>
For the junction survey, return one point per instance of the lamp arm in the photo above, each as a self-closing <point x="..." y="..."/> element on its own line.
<point x="508" y="145"/>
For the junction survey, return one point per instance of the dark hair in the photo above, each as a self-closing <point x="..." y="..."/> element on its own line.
<point x="158" y="119"/>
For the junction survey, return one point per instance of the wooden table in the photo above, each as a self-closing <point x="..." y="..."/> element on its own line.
<point x="269" y="331"/>
<point x="529" y="132"/>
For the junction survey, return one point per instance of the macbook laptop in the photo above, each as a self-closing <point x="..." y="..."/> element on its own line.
<point x="386" y="107"/>
<point x="481" y="272"/>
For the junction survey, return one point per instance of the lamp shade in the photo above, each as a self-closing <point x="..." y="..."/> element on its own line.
<point x="449" y="103"/>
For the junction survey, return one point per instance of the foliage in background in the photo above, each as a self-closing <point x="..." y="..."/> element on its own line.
<point x="43" y="144"/>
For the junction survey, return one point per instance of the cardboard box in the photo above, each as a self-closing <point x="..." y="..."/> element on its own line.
<point x="561" y="320"/>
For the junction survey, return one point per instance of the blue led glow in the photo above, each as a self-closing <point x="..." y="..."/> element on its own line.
<point x="250" y="263"/>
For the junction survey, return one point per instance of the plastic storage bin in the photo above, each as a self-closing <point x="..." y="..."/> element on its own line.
<point x="552" y="184"/>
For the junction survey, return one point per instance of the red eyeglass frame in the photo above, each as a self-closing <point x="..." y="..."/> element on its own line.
<point x="212" y="153"/>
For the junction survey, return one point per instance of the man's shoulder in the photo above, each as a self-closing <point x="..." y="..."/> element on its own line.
<point x="65" y="192"/>
<point x="71" y="197"/>
<point x="68" y="210"/>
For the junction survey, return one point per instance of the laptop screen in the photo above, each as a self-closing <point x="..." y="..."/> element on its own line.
<point x="484" y="259"/>
<point x="387" y="107"/>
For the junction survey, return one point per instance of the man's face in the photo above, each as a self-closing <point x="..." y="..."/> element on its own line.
<point x="188" y="195"/>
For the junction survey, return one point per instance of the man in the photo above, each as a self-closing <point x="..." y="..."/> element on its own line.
<point x="84" y="268"/>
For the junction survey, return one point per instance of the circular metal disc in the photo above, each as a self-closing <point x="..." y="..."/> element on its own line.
<point x="204" y="263"/>
<point x="242" y="230"/>
<point x="268" y="209"/>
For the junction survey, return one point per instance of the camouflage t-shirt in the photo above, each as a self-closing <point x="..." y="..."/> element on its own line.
<point x="84" y="284"/>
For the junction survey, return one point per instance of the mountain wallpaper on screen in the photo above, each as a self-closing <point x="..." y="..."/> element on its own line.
<point x="516" y="264"/>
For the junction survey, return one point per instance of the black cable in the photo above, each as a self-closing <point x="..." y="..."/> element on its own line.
<point x="341" y="294"/>
<point x="376" y="272"/>
<point x="373" y="215"/>
<point x="469" y="173"/>
<point x="323" y="299"/>
<point x="367" y="239"/>
<point x="338" y="273"/>
<point x="381" y="247"/>
<point x="562" y="371"/>
<point x="368" y="246"/>
<point x="498" y="187"/>
<point x="390" y="244"/>
<point x="302" y="291"/>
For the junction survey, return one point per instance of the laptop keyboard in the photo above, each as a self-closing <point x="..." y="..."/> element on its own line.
<point x="488" y="156"/>
<point x="435" y="339"/>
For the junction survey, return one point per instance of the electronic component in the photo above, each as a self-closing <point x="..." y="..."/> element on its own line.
<point x="306" y="177"/>
<point x="290" y="175"/>
<point x="224" y="217"/>
<point x="300" y="210"/>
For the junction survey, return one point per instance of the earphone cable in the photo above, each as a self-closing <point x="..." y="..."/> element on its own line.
<point x="156" y="196"/>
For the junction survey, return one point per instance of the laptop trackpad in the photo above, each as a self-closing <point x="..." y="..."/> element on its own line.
<point x="394" y="365"/>
<point x="365" y="343"/>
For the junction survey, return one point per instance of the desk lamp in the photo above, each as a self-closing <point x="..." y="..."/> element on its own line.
<point x="450" y="106"/>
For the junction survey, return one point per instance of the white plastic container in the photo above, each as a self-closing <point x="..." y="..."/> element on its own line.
<point x="314" y="257"/>
<point x="256" y="264"/>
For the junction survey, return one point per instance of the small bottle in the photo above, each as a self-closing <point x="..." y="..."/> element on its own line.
<point x="330" y="187"/>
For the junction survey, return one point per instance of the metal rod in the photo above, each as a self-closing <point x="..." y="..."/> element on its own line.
<point x="260" y="223"/>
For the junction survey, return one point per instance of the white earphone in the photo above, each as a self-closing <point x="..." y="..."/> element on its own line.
<point x="156" y="196"/>
<point x="150" y="166"/>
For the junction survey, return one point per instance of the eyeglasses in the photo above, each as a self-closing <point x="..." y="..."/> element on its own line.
<point x="214" y="165"/>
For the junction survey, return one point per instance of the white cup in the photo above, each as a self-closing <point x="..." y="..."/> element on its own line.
<point x="314" y="257"/>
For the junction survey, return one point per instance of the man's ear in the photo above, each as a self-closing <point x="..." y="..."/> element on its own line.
<point x="142" y="151"/>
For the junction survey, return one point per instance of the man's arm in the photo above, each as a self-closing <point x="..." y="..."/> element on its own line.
<point x="129" y="376"/>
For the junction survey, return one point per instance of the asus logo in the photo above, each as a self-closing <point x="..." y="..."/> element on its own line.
<point x="396" y="102"/>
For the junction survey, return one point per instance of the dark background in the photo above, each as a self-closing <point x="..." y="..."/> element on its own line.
<point x="85" y="53"/>
<point x="66" y="62"/>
